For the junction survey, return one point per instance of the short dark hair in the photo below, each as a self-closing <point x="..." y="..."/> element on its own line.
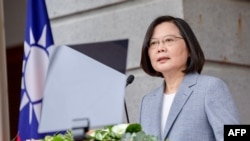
<point x="196" y="60"/>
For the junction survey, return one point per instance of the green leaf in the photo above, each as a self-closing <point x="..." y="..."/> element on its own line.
<point x="133" y="128"/>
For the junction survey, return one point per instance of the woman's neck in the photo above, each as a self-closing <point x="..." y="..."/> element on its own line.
<point x="173" y="82"/>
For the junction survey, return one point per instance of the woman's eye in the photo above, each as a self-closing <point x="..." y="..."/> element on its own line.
<point x="169" y="40"/>
<point x="153" y="43"/>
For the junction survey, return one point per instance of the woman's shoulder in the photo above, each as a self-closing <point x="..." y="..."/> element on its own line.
<point x="210" y="80"/>
<point x="205" y="77"/>
<point x="155" y="91"/>
<point x="192" y="79"/>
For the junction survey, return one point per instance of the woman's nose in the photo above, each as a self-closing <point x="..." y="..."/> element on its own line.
<point x="161" y="48"/>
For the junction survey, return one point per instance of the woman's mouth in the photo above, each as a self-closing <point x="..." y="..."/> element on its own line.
<point x="162" y="59"/>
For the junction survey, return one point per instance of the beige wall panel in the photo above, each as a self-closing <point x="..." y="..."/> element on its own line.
<point x="222" y="27"/>
<point x="59" y="8"/>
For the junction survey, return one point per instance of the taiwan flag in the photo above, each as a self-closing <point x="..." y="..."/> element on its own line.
<point x="38" y="45"/>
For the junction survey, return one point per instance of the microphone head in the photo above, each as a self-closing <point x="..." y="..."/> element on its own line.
<point x="130" y="79"/>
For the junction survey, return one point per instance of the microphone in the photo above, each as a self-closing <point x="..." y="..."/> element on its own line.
<point x="130" y="79"/>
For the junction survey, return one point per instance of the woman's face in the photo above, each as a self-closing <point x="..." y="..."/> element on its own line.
<point x="167" y="49"/>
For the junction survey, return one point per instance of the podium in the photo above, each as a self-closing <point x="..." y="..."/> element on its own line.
<point x="85" y="87"/>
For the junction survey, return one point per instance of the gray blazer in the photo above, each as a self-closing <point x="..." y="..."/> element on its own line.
<point x="201" y="107"/>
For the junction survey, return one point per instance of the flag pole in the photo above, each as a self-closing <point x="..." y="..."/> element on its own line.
<point x="4" y="114"/>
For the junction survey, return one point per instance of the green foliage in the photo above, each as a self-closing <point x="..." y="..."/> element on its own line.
<point x="139" y="136"/>
<point x="60" y="137"/>
<point x="120" y="132"/>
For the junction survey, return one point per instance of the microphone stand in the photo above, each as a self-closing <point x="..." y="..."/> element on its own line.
<point x="130" y="79"/>
<point x="126" y="111"/>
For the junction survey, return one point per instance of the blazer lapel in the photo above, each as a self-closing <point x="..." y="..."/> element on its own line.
<point x="156" y="107"/>
<point x="180" y="99"/>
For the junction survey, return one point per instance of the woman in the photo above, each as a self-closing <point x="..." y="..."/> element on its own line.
<point x="188" y="106"/>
